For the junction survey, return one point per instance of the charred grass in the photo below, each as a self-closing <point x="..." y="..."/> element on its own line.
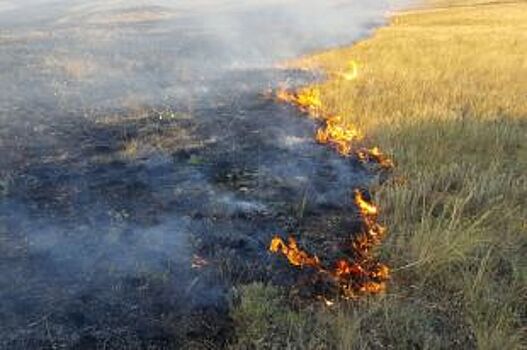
<point x="444" y="92"/>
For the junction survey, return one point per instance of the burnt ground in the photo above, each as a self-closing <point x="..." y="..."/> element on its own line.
<point x="98" y="241"/>
<point x="130" y="142"/>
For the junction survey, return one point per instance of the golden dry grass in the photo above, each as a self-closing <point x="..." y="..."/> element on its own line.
<point x="445" y="92"/>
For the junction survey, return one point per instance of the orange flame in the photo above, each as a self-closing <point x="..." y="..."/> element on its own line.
<point x="367" y="209"/>
<point x="375" y="154"/>
<point x="338" y="134"/>
<point x="290" y="250"/>
<point x="307" y="99"/>
<point x="360" y="273"/>
<point x="334" y="131"/>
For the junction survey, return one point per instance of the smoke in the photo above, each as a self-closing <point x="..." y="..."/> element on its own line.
<point x="103" y="53"/>
<point x="133" y="135"/>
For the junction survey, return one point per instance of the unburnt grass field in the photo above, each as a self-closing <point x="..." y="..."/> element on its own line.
<point x="444" y="91"/>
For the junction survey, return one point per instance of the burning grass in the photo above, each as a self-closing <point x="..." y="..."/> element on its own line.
<point x="359" y="272"/>
<point x="444" y="92"/>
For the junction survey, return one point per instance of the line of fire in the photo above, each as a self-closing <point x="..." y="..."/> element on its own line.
<point x="359" y="272"/>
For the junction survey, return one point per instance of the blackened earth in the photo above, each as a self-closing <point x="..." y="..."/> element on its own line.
<point x="133" y="140"/>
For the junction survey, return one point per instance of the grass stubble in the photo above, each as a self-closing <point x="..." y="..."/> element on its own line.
<point x="444" y="91"/>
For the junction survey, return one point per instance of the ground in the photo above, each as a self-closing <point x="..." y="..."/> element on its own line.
<point x="443" y="91"/>
<point x="144" y="169"/>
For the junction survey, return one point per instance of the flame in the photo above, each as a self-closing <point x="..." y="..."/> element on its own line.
<point x="307" y="99"/>
<point x="375" y="154"/>
<point x="334" y="131"/>
<point x="352" y="72"/>
<point x="367" y="209"/>
<point x="355" y="276"/>
<point x="296" y="256"/>
<point x="358" y="273"/>
<point x="338" y="134"/>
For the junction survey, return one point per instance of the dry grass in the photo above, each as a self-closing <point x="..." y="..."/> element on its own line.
<point x="445" y="92"/>
<point x="264" y="321"/>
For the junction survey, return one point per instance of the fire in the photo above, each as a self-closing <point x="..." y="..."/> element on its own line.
<point x="334" y="131"/>
<point x="307" y="99"/>
<point x="352" y="72"/>
<point x="374" y="154"/>
<point x="290" y="250"/>
<point x="367" y="209"/>
<point x="338" y="134"/>
<point x="355" y="275"/>
<point x="359" y="272"/>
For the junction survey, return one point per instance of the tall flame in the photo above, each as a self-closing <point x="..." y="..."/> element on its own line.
<point x="358" y="273"/>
